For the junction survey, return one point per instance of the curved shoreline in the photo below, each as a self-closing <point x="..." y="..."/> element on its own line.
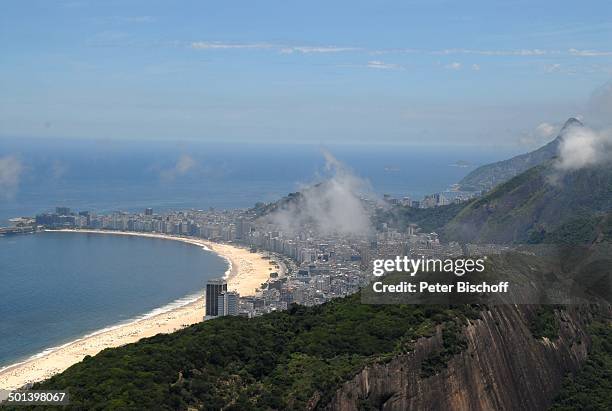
<point x="246" y="271"/>
<point x="178" y="303"/>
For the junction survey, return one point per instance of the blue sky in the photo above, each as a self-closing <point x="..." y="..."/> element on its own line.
<point x="413" y="72"/>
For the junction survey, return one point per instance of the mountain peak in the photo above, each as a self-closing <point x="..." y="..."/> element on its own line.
<point x="571" y="122"/>
<point x="487" y="176"/>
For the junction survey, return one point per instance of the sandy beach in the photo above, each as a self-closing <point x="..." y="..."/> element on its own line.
<point x="247" y="272"/>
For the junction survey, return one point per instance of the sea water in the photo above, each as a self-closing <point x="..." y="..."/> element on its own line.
<point x="55" y="287"/>
<point x="106" y="176"/>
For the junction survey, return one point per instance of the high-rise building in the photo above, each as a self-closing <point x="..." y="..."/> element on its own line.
<point x="62" y="210"/>
<point x="214" y="288"/>
<point x="148" y="211"/>
<point x="87" y="217"/>
<point x="227" y="303"/>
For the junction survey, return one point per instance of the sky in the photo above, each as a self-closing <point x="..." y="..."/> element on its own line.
<point x="426" y="72"/>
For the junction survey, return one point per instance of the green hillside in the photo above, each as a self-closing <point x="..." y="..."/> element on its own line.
<point x="278" y="361"/>
<point x="540" y="205"/>
<point x="428" y="219"/>
<point x="591" y="387"/>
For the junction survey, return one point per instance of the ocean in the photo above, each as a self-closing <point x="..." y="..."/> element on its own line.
<point x="57" y="287"/>
<point x="110" y="175"/>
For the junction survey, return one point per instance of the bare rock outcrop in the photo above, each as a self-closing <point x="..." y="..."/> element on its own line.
<point x="504" y="367"/>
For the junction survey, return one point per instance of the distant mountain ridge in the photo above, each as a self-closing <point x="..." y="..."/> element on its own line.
<point x="539" y="205"/>
<point x="488" y="176"/>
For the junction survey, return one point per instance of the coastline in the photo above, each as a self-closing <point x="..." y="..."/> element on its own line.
<point x="245" y="274"/>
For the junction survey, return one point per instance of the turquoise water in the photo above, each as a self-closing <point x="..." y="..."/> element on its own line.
<point x="56" y="287"/>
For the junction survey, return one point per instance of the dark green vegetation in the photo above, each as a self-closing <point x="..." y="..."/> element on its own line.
<point x="453" y="343"/>
<point x="290" y="200"/>
<point x="490" y="175"/>
<point x="278" y="361"/>
<point x="540" y="205"/>
<point x="428" y="219"/>
<point x="582" y="229"/>
<point x="544" y="323"/>
<point x="591" y="388"/>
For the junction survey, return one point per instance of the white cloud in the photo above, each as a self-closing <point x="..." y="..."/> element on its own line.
<point x="284" y="49"/>
<point x="314" y="49"/>
<point x="184" y="164"/>
<point x="332" y="206"/>
<point x="599" y="106"/>
<point x="589" y="53"/>
<point x="475" y="67"/>
<point x="584" y="147"/>
<point x="539" y="136"/>
<point x="521" y="52"/>
<point x="208" y="45"/>
<point x="10" y="175"/>
<point x="492" y="52"/>
<point x="454" y="66"/>
<point x="545" y="130"/>
<point x="578" y="68"/>
<point x="376" y="64"/>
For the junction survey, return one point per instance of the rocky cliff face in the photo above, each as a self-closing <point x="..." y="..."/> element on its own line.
<point x="504" y="367"/>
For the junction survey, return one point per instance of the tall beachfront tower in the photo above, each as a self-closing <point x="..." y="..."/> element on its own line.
<point x="227" y="303"/>
<point x="214" y="288"/>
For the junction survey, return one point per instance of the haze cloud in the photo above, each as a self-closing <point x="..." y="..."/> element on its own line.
<point x="283" y="49"/>
<point x="381" y="65"/>
<point x="10" y="175"/>
<point x="541" y="135"/>
<point x="330" y="207"/>
<point x="584" y="147"/>
<point x="454" y="66"/>
<point x="58" y="170"/>
<point x="599" y="107"/>
<point x="184" y="164"/>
